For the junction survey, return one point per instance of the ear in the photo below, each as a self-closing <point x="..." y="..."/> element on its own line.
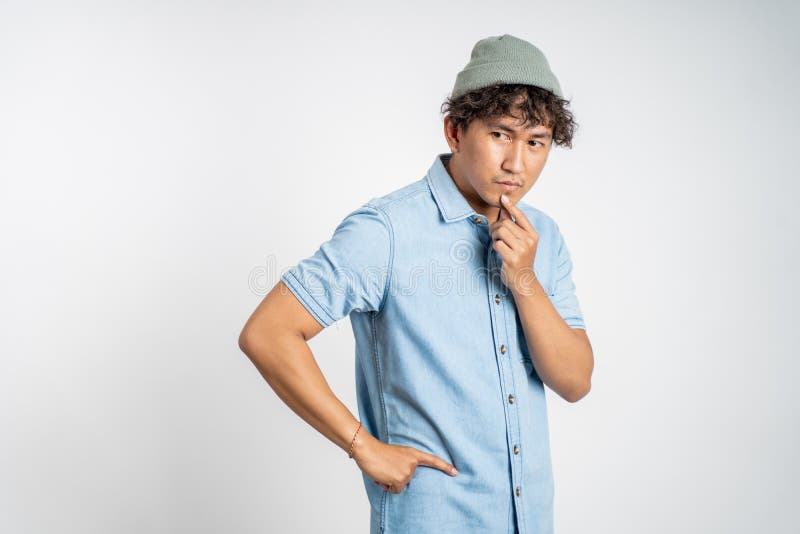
<point x="451" y="134"/>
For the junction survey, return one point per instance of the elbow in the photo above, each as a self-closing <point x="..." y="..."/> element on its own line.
<point x="578" y="392"/>
<point x="252" y="344"/>
<point x="245" y="341"/>
<point x="262" y="346"/>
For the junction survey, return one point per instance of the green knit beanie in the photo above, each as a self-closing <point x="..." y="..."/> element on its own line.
<point x="505" y="59"/>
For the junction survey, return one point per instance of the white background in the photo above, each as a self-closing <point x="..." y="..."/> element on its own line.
<point x="162" y="163"/>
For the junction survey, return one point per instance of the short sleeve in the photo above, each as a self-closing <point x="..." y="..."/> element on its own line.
<point x="347" y="273"/>
<point x="564" y="298"/>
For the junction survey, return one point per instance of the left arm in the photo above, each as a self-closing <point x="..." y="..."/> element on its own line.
<point x="561" y="355"/>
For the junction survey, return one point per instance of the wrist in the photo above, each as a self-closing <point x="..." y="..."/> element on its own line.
<point x="527" y="285"/>
<point x="361" y="443"/>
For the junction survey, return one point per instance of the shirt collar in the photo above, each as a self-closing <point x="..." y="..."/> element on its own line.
<point x="449" y="199"/>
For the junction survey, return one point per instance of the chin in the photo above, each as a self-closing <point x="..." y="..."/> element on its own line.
<point x="493" y="201"/>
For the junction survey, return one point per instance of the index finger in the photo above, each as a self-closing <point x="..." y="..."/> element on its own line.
<point x="519" y="216"/>
<point x="430" y="460"/>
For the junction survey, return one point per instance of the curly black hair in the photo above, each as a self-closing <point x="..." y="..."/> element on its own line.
<point x="536" y="105"/>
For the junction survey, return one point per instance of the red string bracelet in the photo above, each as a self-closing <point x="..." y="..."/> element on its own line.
<point x="350" y="452"/>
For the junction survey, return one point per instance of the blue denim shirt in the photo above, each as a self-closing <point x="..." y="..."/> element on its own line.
<point x="441" y="361"/>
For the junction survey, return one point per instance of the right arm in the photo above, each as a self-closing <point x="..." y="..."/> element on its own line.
<point x="275" y="338"/>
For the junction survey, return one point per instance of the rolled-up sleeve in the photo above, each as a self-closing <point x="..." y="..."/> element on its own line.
<point x="349" y="272"/>
<point x="564" y="298"/>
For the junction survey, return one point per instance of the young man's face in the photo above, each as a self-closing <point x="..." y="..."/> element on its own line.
<point x="494" y="151"/>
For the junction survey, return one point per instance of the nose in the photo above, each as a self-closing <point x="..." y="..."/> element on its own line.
<point x="513" y="161"/>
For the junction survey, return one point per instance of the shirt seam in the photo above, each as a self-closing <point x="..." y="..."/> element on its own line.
<point x="390" y="263"/>
<point x="576" y="319"/>
<point x="376" y="357"/>
<point x="421" y="188"/>
<point x="308" y="299"/>
<point x="392" y="247"/>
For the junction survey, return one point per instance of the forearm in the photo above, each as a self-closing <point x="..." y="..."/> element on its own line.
<point x="288" y="365"/>
<point x="562" y="358"/>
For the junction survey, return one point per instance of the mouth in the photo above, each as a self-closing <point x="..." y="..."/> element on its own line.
<point x="509" y="186"/>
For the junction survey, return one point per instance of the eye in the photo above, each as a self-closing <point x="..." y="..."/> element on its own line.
<point x="498" y="133"/>
<point x="533" y="142"/>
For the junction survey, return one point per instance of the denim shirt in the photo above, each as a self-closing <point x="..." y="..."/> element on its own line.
<point x="441" y="360"/>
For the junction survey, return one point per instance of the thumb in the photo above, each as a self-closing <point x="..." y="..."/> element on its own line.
<point x="430" y="460"/>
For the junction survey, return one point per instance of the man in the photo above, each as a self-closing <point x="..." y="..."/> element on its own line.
<point x="463" y="307"/>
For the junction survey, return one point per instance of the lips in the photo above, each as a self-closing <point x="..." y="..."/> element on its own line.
<point x="508" y="187"/>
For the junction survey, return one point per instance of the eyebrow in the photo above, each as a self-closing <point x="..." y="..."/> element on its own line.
<point x="501" y="126"/>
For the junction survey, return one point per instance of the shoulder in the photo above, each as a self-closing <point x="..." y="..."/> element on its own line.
<point x="399" y="205"/>
<point x="375" y="218"/>
<point x="404" y="196"/>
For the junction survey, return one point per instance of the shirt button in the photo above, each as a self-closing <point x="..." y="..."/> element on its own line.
<point x="511" y="399"/>
<point x="497" y="299"/>
<point x="516" y="449"/>
<point x="477" y="219"/>
<point x="517" y="491"/>
<point x="503" y="349"/>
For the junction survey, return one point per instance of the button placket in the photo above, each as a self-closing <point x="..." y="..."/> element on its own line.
<point x="499" y="312"/>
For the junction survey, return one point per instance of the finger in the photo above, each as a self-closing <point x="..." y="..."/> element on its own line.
<point x="503" y="233"/>
<point x="500" y="211"/>
<point x="519" y="217"/>
<point x="502" y="248"/>
<point x="515" y="229"/>
<point x="503" y="214"/>
<point x="434" y="461"/>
